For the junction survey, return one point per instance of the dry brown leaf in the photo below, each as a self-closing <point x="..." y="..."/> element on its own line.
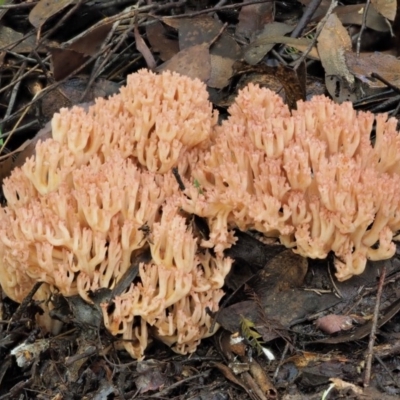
<point x="69" y="93"/>
<point x="221" y="71"/>
<point x="144" y="50"/>
<point x="306" y="358"/>
<point x="160" y="42"/>
<point x="66" y="60"/>
<point x="197" y="30"/>
<point x="321" y="10"/>
<point x="201" y="31"/>
<point x="386" y="65"/>
<point x="8" y="37"/>
<point x="343" y="385"/>
<point x="333" y="42"/>
<point x="254" y="17"/>
<point x="262" y="379"/>
<point x="90" y="43"/>
<point x="387" y="8"/>
<point x="193" y="62"/>
<point x="150" y="376"/>
<point x="224" y="53"/>
<point x="264" y="41"/>
<point x="46" y="9"/>
<point x="6" y="166"/>
<point x="228" y="373"/>
<point x="353" y="15"/>
<point x="294" y="83"/>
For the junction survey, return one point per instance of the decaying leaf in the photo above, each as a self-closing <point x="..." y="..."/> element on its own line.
<point x="26" y="353"/>
<point x="285" y="271"/>
<point x="9" y="37"/>
<point x="160" y="42"/>
<point x="194" y="33"/>
<point x="45" y="9"/>
<point x="69" y="93"/>
<point x="387" y="8"/>
<point x="353" y="14"/>
<point x="294" y="83"/>
<point x="221" y="71"/>
<point x="224" y="53"/>
<point x="264" y="41"/>
<point x="254" y="17"/>
<point x="66" y="60"/>
<point x="144" y="50"/>
<point x="150" y="376"/>
<point x="229" y="374"/>
<point x="186" y="62"/>
<point x="266" y="289"/>
<point x="339" y="81"/>
<point x="386" y="65"/>
<point x="6" y="165"/>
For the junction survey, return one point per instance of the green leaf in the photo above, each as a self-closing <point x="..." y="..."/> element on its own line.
<point x="251" y="335"/>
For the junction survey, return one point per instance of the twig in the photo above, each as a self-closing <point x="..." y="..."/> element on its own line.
<point x="30" y="125"/>
<point x="56" y="84"/>
<point x="363" y="25"/>
<point x="388" y="371"/>
<point x="282" y="360"/>
<point x="213" y="9"/>
<point x="22" y="307"/>
<point x="14" y="93"/>
<point x="306" y="18"/>
<point x="178" y="178"/>
<point x="17" y="123"/>
<point x="370" y="351"/>
<point x="317" y="33"/>
<point x="59" y="23"/>
<point x="386" y="82"/>
<point x="99" y="62"/>
<point x="46" y="71"/>
<point x="339" y="294"/>
<point x="125" y="14"/>
<point x="20" y="78"/>
<point x="175" y="385"/>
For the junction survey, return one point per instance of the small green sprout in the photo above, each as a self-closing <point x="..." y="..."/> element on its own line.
<point x="197" y="186"/>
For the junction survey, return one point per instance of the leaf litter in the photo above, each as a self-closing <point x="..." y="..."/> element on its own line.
<point x="288" y="329"/>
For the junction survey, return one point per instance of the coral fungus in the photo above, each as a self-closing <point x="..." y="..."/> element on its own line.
<point x="313" y="178"/>
<point x="75" y="211"/>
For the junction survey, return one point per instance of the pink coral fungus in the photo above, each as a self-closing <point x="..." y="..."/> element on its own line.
<point x="315" y="178"/>
<point x="76" y="210"/>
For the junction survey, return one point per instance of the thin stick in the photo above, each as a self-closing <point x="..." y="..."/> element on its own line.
<point x="319" y="30"/>
<point x="363" y="25"/>
<point x="370" y="351"/>
<point x="306" y="18"/>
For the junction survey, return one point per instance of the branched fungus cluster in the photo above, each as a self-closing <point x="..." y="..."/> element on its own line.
<point x="316" y="178"/>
